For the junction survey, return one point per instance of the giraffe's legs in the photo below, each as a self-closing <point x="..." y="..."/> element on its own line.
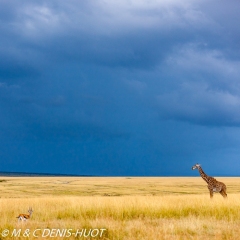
<point x="211" y="192"/>
<point x="223" y="193"/>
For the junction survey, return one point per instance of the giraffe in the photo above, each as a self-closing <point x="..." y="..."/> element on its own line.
<point x="213" y="184"/>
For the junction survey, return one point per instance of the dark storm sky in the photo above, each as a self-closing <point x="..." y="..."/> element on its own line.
<point x="124" y="87"/>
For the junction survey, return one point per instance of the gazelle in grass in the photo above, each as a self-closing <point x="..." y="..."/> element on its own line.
<point x="24" y="217"/>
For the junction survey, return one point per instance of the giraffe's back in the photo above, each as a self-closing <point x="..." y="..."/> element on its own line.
<point x="216" y="186"/>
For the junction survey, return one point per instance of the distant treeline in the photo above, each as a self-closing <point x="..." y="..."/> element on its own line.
<point x="27" y="174"/>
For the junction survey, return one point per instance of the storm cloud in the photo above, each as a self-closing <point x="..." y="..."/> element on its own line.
<point x="119" y="87"/>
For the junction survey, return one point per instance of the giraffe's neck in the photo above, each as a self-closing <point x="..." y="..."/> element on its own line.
<point x="204" y="176"/>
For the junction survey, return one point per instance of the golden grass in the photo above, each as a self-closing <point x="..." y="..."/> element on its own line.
<point x="107" y="186"/>
<point x="129" y="208"/>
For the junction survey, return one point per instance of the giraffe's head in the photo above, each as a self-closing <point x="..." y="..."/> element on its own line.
<point x="196" y="166"/>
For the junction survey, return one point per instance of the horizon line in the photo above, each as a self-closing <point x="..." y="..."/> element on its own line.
<point x="6" y="173"/>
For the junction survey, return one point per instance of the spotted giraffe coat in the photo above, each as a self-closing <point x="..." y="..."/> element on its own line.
<point x="213" y="184"/>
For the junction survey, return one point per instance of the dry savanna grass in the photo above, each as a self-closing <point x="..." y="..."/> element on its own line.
<point x="128" y="208"/>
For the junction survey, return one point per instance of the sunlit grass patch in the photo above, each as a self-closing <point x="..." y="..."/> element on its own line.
<point x="128" y="216"/>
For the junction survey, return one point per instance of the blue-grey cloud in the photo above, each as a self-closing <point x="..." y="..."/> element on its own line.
<point x="128" y="84"/>
<point x="135" y="35"/>
<point x="206" y="88"/>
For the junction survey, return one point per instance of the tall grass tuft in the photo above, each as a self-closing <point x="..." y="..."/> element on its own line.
<point x="131" y="217"/>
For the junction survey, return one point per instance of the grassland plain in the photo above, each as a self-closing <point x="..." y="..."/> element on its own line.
<point x="129" y="208"/>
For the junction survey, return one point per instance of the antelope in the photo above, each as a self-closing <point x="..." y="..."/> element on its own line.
<point x="24" y="217"/>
